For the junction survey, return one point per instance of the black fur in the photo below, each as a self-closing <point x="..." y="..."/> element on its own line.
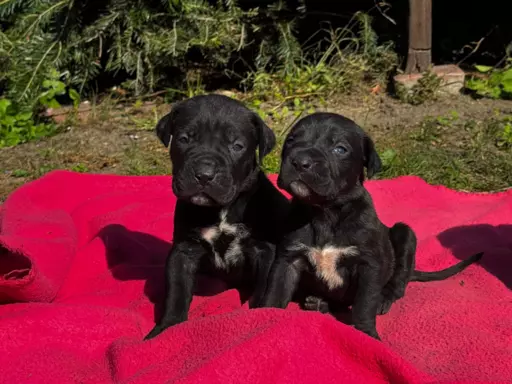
<point x="213" y="150"/>
<point x="323" y="163"/>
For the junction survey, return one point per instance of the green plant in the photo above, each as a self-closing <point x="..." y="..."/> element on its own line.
<point x="20" y="173"/>
<point x="272" y="161"/>
<point x="494" y="83"/>
<point x="447" y="121"/>
<point x="388" y="157"/>
<point x="431" y="128"/>
<point x="505" y="137"/>
<point x="81" y="168"/>
<point x="147" y="123"/>
<point x="52" y="88"/>
<point x="151" y="43"/>
<point x="353" y="56"/>
<point x="500" y="129"/>
<point x="464" y="155"/>
<point x="17" y="125"/>
<point x="426" y="89"/>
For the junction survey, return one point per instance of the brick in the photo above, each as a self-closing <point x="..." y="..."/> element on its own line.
<point x="452" y="79"/>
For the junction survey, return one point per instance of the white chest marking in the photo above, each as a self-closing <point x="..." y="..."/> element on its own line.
<point x="233" y="254"/>
<point x="325" y="260"/>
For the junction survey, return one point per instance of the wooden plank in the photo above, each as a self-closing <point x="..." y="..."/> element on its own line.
<point x="420" y="36"/>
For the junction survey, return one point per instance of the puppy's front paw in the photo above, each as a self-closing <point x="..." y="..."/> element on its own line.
<point x="370" y="332"/>
<point x="165" y="323"/>
<point x="384" y="306"/>
<point x="313" y="303"/>
<point x="154" y="332"/>
<point x="375" y="335"/>
<point x="256" y="301"/>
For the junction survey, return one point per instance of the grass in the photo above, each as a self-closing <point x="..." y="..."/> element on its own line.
<point x="460" y="154"/>
<point x="471" y="152"/>
<point x="463" y="155"/>
<point x="460" y="143"/>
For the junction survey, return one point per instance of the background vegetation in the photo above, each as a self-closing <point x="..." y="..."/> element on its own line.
<point x="283" y="58"/>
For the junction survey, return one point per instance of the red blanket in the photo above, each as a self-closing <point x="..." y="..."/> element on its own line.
<point x="81" y="266"/>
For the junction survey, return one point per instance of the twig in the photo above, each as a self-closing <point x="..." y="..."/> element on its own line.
<point x="242" y="38"/>
<point x="120" y="101"/>
<point x="381" y="11"/>
<point x="36" y="70"/>
<point x="477" y="47"/>
<point x="40" y="16"/>
<point x="287" y="129"/>
<point x="145" y="96"/>
<point x="303" y="96"/>
<point x="473" y="51"/>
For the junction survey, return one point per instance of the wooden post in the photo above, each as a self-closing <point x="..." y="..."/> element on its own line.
<point x="420" y="36"/>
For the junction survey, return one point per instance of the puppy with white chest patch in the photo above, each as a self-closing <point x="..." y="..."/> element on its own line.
<point x="335" y="251"/>
<point x="228" y="215"/>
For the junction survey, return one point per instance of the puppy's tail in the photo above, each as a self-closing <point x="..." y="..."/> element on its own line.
<point x="445" y="273"/>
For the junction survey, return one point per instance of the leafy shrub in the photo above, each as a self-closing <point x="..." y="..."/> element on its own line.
<point x="57" y="50"/>
<point x="17" y="125"/>
<point x="353" y="56"/>
<point x="54" y="51"/>
<point x="21" y="122"/>
<point x="148" y="44"/>
<point x="53" y="88"/>
<point x="494" y="83"/>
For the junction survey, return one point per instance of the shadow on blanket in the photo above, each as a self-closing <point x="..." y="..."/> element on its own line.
<point x="495" y="241"/>
<point x="133" y="255"/>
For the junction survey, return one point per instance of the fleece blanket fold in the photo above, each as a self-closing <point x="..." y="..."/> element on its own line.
<point x="82" y="282"/>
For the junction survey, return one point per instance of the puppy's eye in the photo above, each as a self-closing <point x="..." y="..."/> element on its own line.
<point x="237" y="147"/>
<point x="340" y="150"/>
<point x="183" y="139"/>
<point x="289" y="140"/>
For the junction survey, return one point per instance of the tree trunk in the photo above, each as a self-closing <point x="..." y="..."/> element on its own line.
<point x="420" y="36"/>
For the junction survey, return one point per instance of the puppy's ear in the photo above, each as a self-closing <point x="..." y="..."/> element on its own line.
<point x="266" y="137"/>
<point x="372" y="160"/>
<point x="165" y="127"/>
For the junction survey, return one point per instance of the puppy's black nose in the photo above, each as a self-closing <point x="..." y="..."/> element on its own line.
<point x="302" y="162"/>
<point x="204" y="173"/>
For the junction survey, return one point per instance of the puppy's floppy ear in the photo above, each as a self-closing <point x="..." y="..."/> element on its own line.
<point x="372" y="160"/>
<point x="165" y="127"/>
<point x="266" y="137"/>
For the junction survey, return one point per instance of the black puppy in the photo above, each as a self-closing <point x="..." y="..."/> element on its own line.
<point x="336" y="251"/>
<point x="228" y="214"/>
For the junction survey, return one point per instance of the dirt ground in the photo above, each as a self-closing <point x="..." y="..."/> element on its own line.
<point x="122" y="141"/>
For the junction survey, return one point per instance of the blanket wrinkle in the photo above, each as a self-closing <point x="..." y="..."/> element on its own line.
<point x="82" y="281"/>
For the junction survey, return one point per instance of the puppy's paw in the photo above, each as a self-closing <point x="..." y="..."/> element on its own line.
<point x="154" y="332"/>
<point x="374" y="334"/>
<point x="370" y="332"/>
<point x="384" y="306"/>
<point x="313" y="303"/>
<point x="255" y="302"/>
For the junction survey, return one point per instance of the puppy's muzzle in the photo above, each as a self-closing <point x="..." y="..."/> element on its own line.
<point x="205" y="172"/>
